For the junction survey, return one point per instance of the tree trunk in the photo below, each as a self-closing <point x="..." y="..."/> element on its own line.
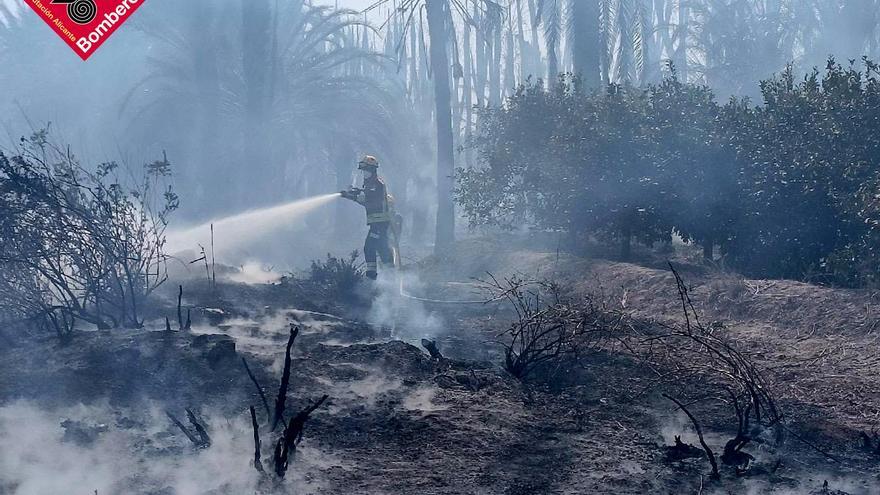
<point x="535" y="62"/>
<point x="709" y="250"/>
<point x="606" y="41"/>
<point x="481" y="63"/>
<point x="681" y="62"/>
<point x="521" y="43"/>
<point x="468" y="95"/>
<point x="445" y="234"/>
<point x="625" y="243"/>
<point x="586" y="41"/>
<point x="510" y="61"/>
<point x="552" y="33"/>
<point x="256" y="50"/>
<point x="495" y="67"/>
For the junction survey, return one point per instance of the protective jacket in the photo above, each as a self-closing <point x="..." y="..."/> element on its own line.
<point x="374" y="198"/>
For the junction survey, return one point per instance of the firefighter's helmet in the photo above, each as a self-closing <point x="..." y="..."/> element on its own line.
<point x="368" y="162"/>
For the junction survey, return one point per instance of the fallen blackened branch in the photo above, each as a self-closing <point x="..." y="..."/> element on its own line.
<point x="259" y="388"/>
<point x="204" y="439"/>
<point x="285" y="381"/>
<point x="709" y="454"/>
<point x="286" y="445"/>
<point x="200" y="439"/>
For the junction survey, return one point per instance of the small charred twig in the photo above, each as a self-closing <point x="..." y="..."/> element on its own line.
<point x="285" y="381"/>
<point x="179" y="306"/>
<point x="188" y="324"/>
<point x="292" y="435"/>
<point x="167" y="325"/>
<point x="258" y="464"/>
<point x="259" y="388"/>
<point x="204" y="438"/>
<point x="711" y="455"/>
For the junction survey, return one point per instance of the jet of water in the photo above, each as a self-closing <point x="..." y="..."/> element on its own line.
<point x="237" y="230"/>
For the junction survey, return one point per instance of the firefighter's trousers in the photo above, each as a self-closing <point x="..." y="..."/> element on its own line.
<point x="378" y="245"/>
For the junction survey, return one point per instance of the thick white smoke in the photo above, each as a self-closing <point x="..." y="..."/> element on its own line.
<point x="135" y="452"/>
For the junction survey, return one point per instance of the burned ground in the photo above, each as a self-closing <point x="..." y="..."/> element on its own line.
<point x="399" y="421"/>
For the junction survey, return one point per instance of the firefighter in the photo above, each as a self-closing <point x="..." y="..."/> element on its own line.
<point x="384" y="223"/>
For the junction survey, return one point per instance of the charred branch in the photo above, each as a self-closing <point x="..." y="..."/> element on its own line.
<point x="204" y="438"/>
<point x="258" y="463"/>
<point x="432" y="349"/>
<point x="285" y="380"/>
<point x="285" y="447"/>
<point x="195" y="439"/>
<point x="259" y="388"/>
<point x="709" y="453"/>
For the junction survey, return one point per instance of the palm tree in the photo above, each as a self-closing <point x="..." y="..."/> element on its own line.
<point x="550" y="16"/>
<point x="275" y="104"/>
<point x="738" y="42"/>
<point x="440" y="33"/>
<point x="438" y="27"/>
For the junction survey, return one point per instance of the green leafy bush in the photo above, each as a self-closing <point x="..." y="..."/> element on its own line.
<point x="786" y="189"/>
<point x="339" y="276"/>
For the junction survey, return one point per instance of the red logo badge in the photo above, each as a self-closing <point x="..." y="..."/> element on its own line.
<point x="84" y="24"/>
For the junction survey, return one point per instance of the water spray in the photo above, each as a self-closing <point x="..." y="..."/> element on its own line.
<point x="242" y="228"/>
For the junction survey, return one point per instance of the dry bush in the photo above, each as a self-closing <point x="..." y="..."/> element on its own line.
<point x="692" y="363"/>
<point x="702" y="365"/>
<point x="549" y="331"/>
<point x="77" y="244"/>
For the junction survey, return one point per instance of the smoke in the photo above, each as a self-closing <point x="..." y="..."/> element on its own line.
<point x="234" y="233"/>
<point x="133" y="452"/>
<point x="403" y="317"/>
<point x="254" y="272"/>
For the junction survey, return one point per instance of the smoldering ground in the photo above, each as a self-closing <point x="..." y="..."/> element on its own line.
<point x="83" y="449"/>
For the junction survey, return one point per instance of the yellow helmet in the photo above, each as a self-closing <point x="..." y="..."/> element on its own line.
<point x="367" y="162"/>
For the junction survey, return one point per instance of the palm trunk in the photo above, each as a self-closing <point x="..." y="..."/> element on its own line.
<point x="481" y="62"/>
<point x="256" y="52"/>
<point x="681" y="62"/>
<point x="521" y="42"/>
<point x="445" y="234"/>
<point x="606" y="40"/>
<point x="552" y="33"/>
<point x="495" y="67"/>
<point x="510" y="62"/>
<point x="413" y="63"/>
<point x="585" y="41"/>
<point x="534" y="53"/>
<point x="467" y="95"/>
